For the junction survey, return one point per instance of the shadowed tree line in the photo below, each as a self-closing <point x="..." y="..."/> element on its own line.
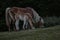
<point x="43" y="7"/>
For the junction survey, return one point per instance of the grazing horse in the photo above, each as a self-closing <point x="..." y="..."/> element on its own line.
<point x="15" y="14"/>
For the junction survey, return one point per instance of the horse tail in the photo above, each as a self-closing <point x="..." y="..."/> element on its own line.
<point x="7" y="17"/>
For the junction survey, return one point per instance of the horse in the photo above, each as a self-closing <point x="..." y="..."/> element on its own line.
<point x="15" y="14"/>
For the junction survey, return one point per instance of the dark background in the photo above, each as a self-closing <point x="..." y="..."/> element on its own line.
<point x="43" y="7"/>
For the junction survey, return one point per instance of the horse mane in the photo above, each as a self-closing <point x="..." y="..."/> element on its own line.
<point x="36" y="15"/>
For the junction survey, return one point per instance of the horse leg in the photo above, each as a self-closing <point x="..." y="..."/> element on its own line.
<point x="17" y="24"/>
<point x="8" y="27"/>
<point x="24" y="23"/>
<point x="14" y="27"/>
<point x="31" y="24"/>
<point x="8" y="24"/>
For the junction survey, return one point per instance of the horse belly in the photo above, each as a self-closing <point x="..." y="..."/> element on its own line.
<point x="21" y="17"/>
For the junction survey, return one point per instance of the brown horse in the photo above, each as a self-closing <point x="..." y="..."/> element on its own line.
<point x="16" y="14"/>
<point x="28" y="14"/>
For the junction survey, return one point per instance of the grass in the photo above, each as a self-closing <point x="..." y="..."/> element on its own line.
<point x="51" y="33"/>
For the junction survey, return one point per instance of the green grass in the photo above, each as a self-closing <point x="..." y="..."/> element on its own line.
<point x="51" y="33"/>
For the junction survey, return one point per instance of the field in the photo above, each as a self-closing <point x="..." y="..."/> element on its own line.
<point x="50" y="33"/>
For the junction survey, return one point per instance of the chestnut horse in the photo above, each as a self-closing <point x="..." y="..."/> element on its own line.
<point x="28" y="12"/>
<point x="15" y="14"/>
